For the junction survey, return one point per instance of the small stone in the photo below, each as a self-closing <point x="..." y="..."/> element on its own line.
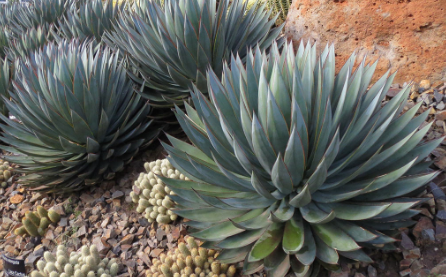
<point x="405" y="263"/>
<point x="423" y="223"/>
<point x="438" y="96"/>
<point x="438" y="270"/>
<point x="405" y="272"/>
<point x="143" y="221"/>
<point x="58" y="209"/>
<point x="412" y="254"/>
<point x="440" y="115"/>
<point x="428" y="235"/>
<point x="406" y="242"/>
<point x="16" y="199"/>
<point x="117" y="194"/>
<point x="440" y="230"/>
<point x="425" y="84"/>
<point x="128" y="239"/>
<point x="102" y="245"/>
<point x="110" y="234"/>
<point x="82" y="231"/>
<point x="416" y="265"/>
<point x="441" y="215"/>
<point x="392" y="92"/>
<point x="372" y="271"/>
<point x="36" y="196"/>
<point x="440" y="106"/>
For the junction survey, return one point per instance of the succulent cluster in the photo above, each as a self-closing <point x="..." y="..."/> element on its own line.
<point x="80" y="119"/>
<point x="87" y="263"/>
<point x="190" y="260"/>
<point x="5" y="173"/>
<point x="152" y="195"/>
<point x="36" y="223"/>
<point x="293" y="167"/>
<point x="172" y="46"/>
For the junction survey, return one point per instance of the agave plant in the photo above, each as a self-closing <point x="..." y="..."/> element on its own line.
<point x="90" y="20"/>
<point x="292" y="167"/>
<point x="80" y="119"/>
<point x="172" y="46"/>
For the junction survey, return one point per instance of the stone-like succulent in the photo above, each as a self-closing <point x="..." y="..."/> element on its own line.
<point x="80" y="120"/>
<point x="36" y="223"/>
<point x="190" y="260"/>
<point x="172" y="46"/>
<point x="152" y="195"/>
<point x="87" y="263"/>
<point x="293" y="167"/>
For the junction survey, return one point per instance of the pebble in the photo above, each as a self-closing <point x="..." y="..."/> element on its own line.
<point x="406" y="242"/>
<point x="372" y="271"/>
<point x="441" y="215"/>
<point x="428" y="235"/>
<point x="425" y="84"/>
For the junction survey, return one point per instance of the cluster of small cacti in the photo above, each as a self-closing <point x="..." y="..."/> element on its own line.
<point x="151" y="193"/>
<point x="190" y="260"/>
<point x="87" y="263"/>
<point x="5" y="173"/>
<point x="36" y="223"/>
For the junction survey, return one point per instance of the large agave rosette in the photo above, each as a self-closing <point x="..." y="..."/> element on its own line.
<point x="79" y="120"/>
<point x="171" y="47"/>
<point x="293" y="167"/>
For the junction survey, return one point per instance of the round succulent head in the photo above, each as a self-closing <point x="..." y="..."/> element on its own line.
<point x="293" y="167"/>
<point x="171" y="46"/>
<point x="80" y="120"/>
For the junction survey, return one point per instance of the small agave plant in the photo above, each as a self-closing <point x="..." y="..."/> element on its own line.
<point x="292" y="167"/>
<point x="170" y="47"/>
<point x="80" y="120"/>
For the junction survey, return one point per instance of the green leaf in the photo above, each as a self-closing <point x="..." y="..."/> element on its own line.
<point x="267" y="243"/>
<point x="293" y="235"/>
<point x="334" y="237"/>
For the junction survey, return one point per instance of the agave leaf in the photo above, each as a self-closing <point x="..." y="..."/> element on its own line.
<point x="313" y="214"/>
<point x="293" y="235"/>
<point x="241" y="239"/>
<point x="334" y="237"/>
<point x="267" y="243"/>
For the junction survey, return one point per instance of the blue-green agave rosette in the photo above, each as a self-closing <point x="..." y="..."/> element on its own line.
<point x="79" y="120"/>
<point x="293" y="167"/>
<point x="170" y="47"/>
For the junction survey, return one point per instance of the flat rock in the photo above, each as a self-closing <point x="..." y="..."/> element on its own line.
<point x="372" y="271"/>
<point x="428" y="235"/>
<point x="423" y="223"/>
<point x="406" y="242"/>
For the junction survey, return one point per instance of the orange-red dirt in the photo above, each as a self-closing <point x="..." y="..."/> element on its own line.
<point x="408" y="35"/>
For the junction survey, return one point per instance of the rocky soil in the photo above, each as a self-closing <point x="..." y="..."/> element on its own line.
<point x="106" y="217"/>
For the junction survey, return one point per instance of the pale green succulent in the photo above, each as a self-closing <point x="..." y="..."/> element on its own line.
<point x="151" y="193"/>
<point x="292" y="167"/>
<point x="170" y="48"/>
<point x="87" y="263"/>
<point x="190" y="260"/>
